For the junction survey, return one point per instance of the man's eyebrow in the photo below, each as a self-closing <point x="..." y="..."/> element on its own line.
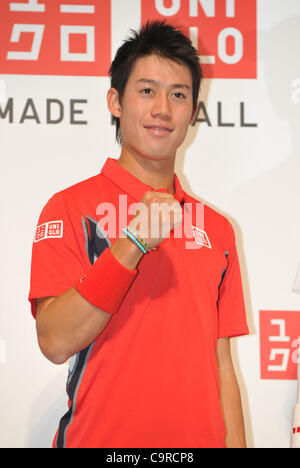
<point x="156" y="83"/>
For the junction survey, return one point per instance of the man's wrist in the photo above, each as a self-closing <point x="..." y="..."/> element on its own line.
<point x="106" y="283"/>
<point x="127" y="253"/>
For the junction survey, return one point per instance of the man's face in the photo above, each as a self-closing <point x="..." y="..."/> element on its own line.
<point x="156" y="108"/>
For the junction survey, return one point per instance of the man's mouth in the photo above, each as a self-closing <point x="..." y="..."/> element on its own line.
<point x="158" y="129"/>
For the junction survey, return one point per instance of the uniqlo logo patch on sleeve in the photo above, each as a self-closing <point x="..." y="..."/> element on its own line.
<point x="223" y="31"/>
<point x="279" y="344"/>
<point x="55" y="37"/>
<point x="53" y="229"/>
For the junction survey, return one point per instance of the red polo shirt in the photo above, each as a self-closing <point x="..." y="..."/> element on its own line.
<point x="150" y="379"/>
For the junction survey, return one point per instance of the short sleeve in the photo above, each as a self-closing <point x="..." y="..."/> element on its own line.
<point x="231" y="304"/>
<point x="56" y="262"/>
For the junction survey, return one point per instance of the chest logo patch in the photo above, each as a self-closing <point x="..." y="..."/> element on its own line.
<point x="201" y="237"/>
<point x="52" y="229"/>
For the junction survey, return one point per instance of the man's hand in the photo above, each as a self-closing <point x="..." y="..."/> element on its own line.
<point x="157" y="215"/>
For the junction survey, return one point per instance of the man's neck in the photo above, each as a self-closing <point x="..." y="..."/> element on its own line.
<point x="157" y="174"/>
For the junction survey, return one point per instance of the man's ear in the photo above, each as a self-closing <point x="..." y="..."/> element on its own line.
<point x="194" y="115"/>
<point x="113" y="102"/>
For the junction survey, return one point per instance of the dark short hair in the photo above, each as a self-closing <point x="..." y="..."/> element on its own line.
<point x="164" y="40"/>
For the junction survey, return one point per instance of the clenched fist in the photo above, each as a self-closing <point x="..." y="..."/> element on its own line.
<point x="157" y="214"/>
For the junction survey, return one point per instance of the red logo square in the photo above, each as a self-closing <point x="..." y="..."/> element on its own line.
<point x="224" y="32"/>
<point x="279" y="344"/>
<point x="55" y="37"/>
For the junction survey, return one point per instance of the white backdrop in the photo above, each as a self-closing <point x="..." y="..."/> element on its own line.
<point x="250" y="174"/>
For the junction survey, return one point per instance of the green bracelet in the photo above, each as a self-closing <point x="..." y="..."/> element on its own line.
<point x="135" y="240"/>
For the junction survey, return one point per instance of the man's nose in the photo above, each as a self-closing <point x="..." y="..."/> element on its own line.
<point x="161" y="106"/>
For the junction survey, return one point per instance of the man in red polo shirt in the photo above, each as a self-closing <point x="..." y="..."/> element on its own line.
<point x="145" y="314"/>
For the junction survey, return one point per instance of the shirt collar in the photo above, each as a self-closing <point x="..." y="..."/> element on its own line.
<point x="131" y="185"/>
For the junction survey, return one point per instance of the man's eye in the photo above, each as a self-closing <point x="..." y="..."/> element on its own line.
<point x="179" y="95"/>
<point x="146" y="91"/>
